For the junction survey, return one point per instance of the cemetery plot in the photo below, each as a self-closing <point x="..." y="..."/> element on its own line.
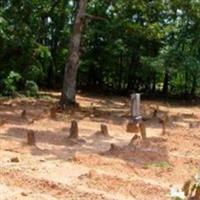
<point x="86" y="152"/>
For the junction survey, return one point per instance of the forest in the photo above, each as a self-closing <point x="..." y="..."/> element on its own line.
<point x="147" y="46"/>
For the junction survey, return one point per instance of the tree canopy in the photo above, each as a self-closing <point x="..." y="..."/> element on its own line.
<point x="150" y="46"/>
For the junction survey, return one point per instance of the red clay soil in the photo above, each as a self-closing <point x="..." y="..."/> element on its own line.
<point x="59" y="167"/>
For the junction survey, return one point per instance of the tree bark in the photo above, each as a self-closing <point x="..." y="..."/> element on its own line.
<point x="69" y="84"/>
<point x="153" y="89"/>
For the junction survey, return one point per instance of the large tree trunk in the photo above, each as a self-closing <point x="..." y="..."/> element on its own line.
<point x="69" y="83"/>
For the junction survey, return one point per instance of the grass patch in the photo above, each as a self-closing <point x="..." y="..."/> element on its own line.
<point x="161" y="165"/>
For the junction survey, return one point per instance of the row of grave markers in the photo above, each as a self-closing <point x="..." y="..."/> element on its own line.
<point x="134" y="125"/>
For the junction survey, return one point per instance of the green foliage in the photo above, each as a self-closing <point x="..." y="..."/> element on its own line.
<point x="10" y="83"/>
<point x="3" y="26"/>
<point x="35" y="73"/>
<point x="43" y="51"/>
<point x="146" y="46"/>
<point x="31" y="89"/>
<point x="162" y="165"/>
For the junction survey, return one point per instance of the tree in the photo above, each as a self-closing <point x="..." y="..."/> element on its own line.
<point x="69" y="83"/>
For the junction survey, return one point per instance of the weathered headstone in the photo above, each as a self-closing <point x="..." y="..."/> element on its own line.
<point x="135" y="105"/>
<point x="135" y="124"/>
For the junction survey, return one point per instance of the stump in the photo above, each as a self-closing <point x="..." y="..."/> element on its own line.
<point x="143" y="130"/>
<point x="73" y="132"/>
<point x="31" y="138"/>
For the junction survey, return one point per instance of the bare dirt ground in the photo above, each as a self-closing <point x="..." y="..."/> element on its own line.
<point x="59" y="168"/>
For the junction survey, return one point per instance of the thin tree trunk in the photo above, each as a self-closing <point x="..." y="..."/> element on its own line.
<point x="153" y="89"/>
<point x="120" y="71"/>
<point x="166" y="82"/>
<point x="133" y="67"/>
<point x="186" y="82"/>
<point x="69" y="83"/>
<point x="194" y="85"/>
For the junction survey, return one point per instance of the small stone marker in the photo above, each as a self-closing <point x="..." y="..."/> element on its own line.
<point x="73" y="132"/>
<point x="135" y="137"/>
<point x="31" y="137"/>
<point x="53" y="113"/>
<point x="163" y="122"/>
<point x="132" y="127"/>
<point x="15" y="159"/>
<point x="114" y="148"/>
<point x="143" y="130"/>
<point x="194" y="124"/>
<point x="24" y="114"/>
<point x="156" y="110"/>
<point x="104" y="130"/>
<point x="92" y="174"/>
<point x="24" y="194"/>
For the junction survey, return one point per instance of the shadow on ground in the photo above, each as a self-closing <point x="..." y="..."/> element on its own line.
<point x="57" y="145"/>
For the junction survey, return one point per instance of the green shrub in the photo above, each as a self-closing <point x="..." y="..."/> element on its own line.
<point x="31" y="88"/>
<point x="35" y="73"/>
<point x="10" y="84"/>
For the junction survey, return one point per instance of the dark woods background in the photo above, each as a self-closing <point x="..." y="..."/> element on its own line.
<point x="149" y="46"/>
